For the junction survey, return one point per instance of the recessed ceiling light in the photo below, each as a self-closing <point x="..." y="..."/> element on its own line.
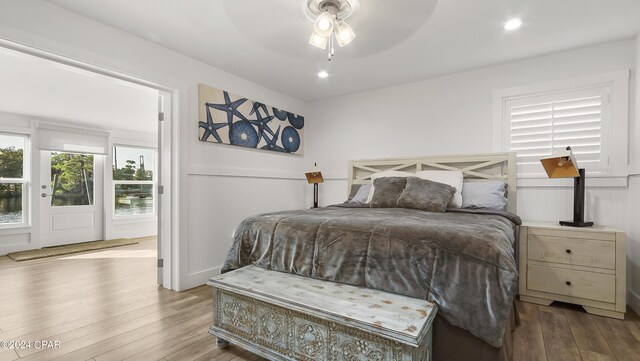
<point x="323" y="74"/>
<point x="513" y="24"/>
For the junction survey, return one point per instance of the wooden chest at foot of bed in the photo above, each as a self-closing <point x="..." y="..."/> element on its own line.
<point x="282" y="316"/>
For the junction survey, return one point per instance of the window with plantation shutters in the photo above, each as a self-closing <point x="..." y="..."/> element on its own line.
<point x="589" y="113"/>
<point x="538" y="125"/>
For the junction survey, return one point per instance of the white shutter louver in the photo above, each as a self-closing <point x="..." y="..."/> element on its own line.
<point x="539" y="125"/>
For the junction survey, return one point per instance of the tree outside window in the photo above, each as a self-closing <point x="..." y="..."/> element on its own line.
<point x="71" y="179"/>
<point x="12" y="180"/>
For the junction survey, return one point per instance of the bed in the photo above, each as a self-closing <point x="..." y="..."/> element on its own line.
<point x="461" y="259"/>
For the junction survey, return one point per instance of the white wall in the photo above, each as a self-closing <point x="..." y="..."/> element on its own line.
<point x="635" y="127"/>
<point x="634" y="194"/>
<point x="453" y="115"/>
<point x="440" y="115"/>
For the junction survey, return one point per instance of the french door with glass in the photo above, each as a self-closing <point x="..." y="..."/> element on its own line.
<point x="71" y="198"/>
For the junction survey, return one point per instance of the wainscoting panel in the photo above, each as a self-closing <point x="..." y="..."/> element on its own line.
<point x="217" y="205"/>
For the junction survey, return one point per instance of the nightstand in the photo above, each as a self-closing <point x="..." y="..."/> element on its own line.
<point x="585" y="266"/>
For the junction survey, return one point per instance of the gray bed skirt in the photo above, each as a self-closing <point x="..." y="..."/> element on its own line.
<point x="451" y="343"/>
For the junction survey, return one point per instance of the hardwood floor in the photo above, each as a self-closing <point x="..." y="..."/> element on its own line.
<point x="104" y="305"/>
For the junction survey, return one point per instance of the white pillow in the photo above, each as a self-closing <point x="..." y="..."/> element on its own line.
<point x="450" y="177"/>
<point x="387" y="173"/>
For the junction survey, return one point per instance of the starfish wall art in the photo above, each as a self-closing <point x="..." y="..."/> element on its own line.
<point x="229" y="119"/>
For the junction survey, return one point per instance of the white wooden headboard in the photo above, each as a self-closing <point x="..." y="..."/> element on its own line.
<point x="494" y="166"/>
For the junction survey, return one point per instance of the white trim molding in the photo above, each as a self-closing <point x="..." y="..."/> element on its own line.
<point x="633" y="300"/>
<point x="207" y="170"/>
<point x="201" y="277"/>
<point x="592" y="181"/>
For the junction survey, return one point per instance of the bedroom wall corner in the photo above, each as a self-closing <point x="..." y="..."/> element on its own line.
<point x="634" y="129"/>
<point x="634" y="186"/>
<point x="633" y="239"/>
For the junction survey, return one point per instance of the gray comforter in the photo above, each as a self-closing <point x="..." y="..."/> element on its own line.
<point x="463" y="261"/>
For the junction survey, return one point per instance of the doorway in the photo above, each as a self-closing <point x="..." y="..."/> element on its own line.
<point x="71" y="196"/>
<point x="50" y="220"/>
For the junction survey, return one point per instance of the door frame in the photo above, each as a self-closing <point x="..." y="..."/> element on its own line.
<point x="169" y="237"/>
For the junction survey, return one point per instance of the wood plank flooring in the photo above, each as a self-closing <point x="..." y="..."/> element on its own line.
<point x="566" y="332"/>
<point x="104" y="305"/>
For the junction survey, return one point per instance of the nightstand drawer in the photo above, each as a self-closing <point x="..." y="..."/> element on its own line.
<point x="573" y="283"/>
<point x="573" y="251"/>
<point x="571" y="232"/>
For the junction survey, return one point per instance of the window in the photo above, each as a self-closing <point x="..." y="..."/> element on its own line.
<point x="13" y="184"/>
<point x="540" y="125"/>
<point x="588" y="114"/>
<point x="133" y="181"/>
<point x="71" y="179"/>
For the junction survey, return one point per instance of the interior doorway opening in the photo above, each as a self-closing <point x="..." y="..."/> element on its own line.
<point x="74" y="189"/>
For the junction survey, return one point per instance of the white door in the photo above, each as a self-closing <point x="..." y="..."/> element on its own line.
<point x="71" y="187"/>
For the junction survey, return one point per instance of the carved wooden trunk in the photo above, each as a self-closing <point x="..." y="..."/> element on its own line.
<point x="286" y="317"/>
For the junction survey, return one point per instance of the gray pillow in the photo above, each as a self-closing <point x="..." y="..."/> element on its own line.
<point x="386" y="191"/>
<point x="362" y="194"/>
<point x="484" y="194"/>
<point x="426" y="195"/>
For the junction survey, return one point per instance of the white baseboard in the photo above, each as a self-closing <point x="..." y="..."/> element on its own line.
<point x="5" y="250"/>
<point x="199" y="278"/>
<point x="633" y="300"/>
<point x="16" y="242"/>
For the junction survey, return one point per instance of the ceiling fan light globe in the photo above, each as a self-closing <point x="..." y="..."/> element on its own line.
<point x="318" y="41"/>
<point x="324" y="24"/>
<point x="344" y="33"/>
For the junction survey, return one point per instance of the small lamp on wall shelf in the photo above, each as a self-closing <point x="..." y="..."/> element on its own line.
<point x="314" y="176"/>
<point x="563" y="164"/>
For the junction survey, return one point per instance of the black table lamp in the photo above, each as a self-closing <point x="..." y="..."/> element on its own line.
<point x="314" y="176"/>
<point x="563" y="164"/>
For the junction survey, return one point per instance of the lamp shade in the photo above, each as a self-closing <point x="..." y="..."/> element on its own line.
<point x="314" y="176"/>
<point x="561" y="164"/>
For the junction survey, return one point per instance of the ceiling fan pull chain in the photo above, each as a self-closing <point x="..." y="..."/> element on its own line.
<point x="330" y="51"/>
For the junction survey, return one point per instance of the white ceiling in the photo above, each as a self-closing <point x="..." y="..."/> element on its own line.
<point x="42" y="88"/>
<point x="396" y="41"/>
